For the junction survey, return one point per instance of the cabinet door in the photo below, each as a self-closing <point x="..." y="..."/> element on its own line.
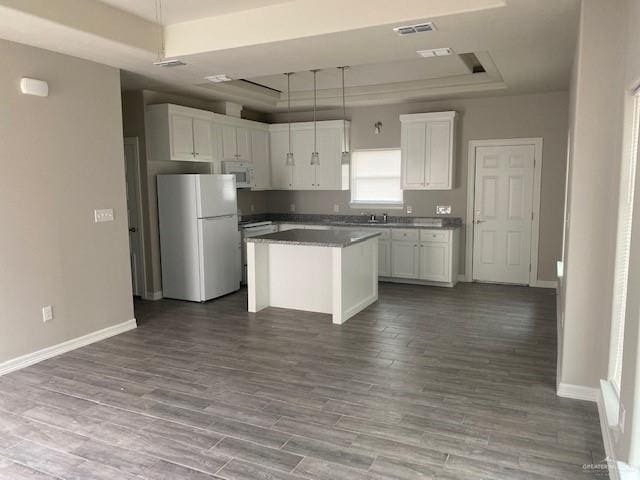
<point x="281" y="173"/>
<point x="404" y="259"/>
<point x="384" y="258"/>
<point x="229" y="146"/>
<point x="243" y="144"/>
<point x="439" y="158"/>
<point x="329" y="172"/>
<point x="304" y="174"/>
<point x="435" y="261"/>
<point x="181" y="137"/>
<point x="260" y="154"/>
<point x="202" y="140"/>
<point x="414" y="138"/>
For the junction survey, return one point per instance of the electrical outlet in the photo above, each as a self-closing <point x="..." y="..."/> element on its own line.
<point x="409" y="209"/>
<point x="443" y="210"/>
<point x="336" y="208"/>
<point x="292" y="207"/>
<point x="103" y="215"/>
<point x="47" y="313"/>
<point x="253" y="208"/>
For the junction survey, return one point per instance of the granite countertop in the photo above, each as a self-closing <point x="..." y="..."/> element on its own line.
<point x="359" y="221"/>
<point x="316" y="238"/>
<point x="371" y="225"/>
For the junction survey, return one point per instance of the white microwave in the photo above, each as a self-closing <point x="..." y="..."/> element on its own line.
<point x="242" y="171"/>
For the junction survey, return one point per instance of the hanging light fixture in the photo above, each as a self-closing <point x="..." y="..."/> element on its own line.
<point x="289" y="160"/>
<point x="315" y="156"/>
<point x="346" y="154"/>
<point x="161" y="60"/>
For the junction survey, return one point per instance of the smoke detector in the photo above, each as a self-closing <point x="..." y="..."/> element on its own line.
<point x="169" y="63"/>
<point x="218" y="78"/>
<point x="435" y="52"/>
<point x="418" y="28"/>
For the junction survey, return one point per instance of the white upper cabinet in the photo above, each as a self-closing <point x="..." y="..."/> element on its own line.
<point x="260" y="154"/>
<point x="236" y="143"/>
<point x="179" y="133"/>
<point x="281" y="173"/>
<point x="428" y="151"/>
<point x="330" y="174"/>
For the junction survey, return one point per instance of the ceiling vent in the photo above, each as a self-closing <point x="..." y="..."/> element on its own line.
<point x="435" y="52"/>
<point x="169" y="63"/>
<point x="419" y="28"/>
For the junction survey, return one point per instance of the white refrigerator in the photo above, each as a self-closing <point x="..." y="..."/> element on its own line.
<point x="199" y="238"/>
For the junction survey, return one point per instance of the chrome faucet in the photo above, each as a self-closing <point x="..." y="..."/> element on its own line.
<point x="372" y="218"/>
<point x="385" y="218"/>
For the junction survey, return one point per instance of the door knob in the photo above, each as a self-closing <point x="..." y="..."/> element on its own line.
<point x="133" y="229"/>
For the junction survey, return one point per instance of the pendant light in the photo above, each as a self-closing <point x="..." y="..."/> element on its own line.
<point x="159" y="22"/>
<point x="290" y="161"/>
<point x="346" y="154"/>
<point x="315" y="156"/>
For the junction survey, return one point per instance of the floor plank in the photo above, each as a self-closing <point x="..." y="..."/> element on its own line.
<point x="426" y="383"/>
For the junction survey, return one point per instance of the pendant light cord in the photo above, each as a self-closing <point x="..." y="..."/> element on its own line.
<point x="289" y="106"/>
<point x="315" y="134"/>
<point x="344" y="111"/>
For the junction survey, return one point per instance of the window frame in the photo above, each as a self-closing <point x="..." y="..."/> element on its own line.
<point x="380" y="205"/>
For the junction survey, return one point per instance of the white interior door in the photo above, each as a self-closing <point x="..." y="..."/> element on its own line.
<point x="503" y="213"/>
<point x="134" y="212"/>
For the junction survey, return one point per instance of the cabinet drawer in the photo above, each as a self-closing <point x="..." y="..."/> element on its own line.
<point x="405" y="234"/>
<point x="435" y="235"/>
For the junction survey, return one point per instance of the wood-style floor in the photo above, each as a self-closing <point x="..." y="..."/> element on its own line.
<point x="426" y="383"/>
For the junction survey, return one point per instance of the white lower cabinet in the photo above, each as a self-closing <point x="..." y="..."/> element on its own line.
<point x="404" y="259"/>
<point x="435" y="262"/>
<point x="384" y="258"/>
<point x="423" y="256"/>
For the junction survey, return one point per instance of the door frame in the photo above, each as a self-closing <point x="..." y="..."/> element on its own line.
<point x="136" y="144"/>
<point x="471" y="184"/>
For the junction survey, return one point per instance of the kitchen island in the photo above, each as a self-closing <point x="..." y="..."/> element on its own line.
<point x="326" y="271"/>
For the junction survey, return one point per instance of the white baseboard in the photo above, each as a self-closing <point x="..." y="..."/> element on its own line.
<point x="607" y="439"/>
<point x="545" y="284"/>
<point x="40" y="355"/>
<point x="578" y="392"/>
<point x="153" y="295"/>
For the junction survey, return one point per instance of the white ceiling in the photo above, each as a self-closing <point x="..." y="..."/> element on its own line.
<point x="525" y="46"/>
<point x="176" y="11"/>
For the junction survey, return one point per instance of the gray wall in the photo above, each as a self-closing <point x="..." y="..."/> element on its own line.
<point x="543" y="115"/>
<point x="600" y="126"/>
<point x="60" y="158"/>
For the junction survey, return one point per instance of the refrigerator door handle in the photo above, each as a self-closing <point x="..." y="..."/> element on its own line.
<point x="218" y="216"/>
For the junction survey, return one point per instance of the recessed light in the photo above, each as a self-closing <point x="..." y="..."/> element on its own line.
<point x="169" y="63"/>
<point x="418" y="28"/>
<point x="218" y="78"/>
<point x="435" y="52"/>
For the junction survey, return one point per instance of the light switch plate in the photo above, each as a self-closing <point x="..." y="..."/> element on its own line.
<point x="409" y="209"/>
<point x="253" y="208"/>
<point x="103" y="215"/>
<point x="47" y="313"/>
<point x="336" y="208"/>
<point x="443" y="210"/>
<point x="292" y="207"/>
